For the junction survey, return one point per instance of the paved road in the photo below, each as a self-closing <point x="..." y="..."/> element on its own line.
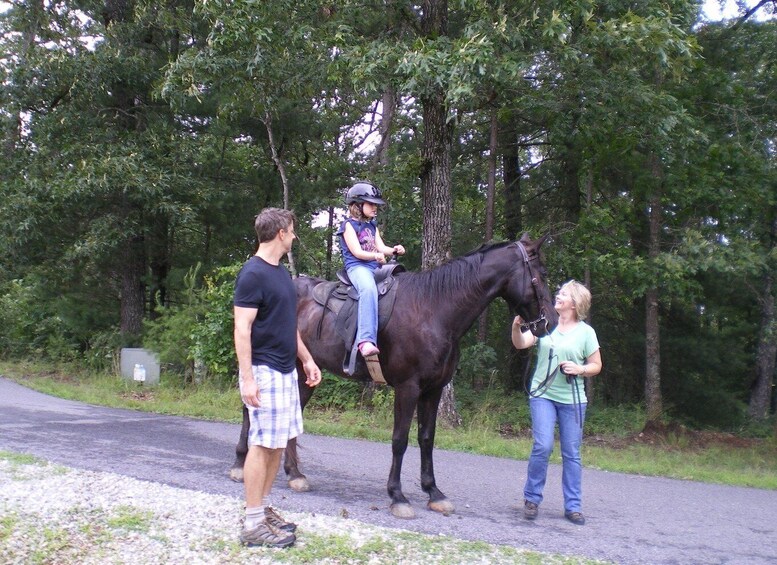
<point x="631" y="519"/>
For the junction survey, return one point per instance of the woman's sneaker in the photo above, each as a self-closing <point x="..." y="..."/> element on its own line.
<point x="264" y="534"/>
<point x="277" y="521"/>
<point x="576" y="518"/>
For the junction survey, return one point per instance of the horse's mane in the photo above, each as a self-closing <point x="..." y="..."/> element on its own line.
<point x="456" y="276"/>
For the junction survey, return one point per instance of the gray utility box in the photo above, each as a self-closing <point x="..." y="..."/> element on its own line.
<point x="140" y="365"/>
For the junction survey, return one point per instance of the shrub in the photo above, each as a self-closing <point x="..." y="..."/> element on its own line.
<point x="477" y="364"/>
<point x="198" y="333"/>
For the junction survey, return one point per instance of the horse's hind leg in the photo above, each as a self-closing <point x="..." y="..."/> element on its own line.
<point x="241" y="450"/>
<point x="428" y="406"/>
<point x="297" y="481"/>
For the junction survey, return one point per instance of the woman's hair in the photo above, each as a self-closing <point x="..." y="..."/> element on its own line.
<point x="581" y="297"/>
<point x="272" y="220"/>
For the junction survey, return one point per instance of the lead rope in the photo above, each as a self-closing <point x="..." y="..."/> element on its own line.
<point x="576" y="402"/>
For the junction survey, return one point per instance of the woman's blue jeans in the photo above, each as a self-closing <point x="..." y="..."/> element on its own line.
<point x="363" y="280"/>
<point x="545" y="414"/>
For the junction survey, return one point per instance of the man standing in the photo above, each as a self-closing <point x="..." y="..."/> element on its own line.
<point x="267" y="344"/>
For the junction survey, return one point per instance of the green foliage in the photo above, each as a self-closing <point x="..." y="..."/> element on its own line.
<point x="213" y="336"/>
<point x="477" y="363"/>
<point x="170" y="334"/>
<point x="620" y="421"/>
<point x="336" y="393"/>
<point x="30" y="324"/>
<point x="200" y="329"/>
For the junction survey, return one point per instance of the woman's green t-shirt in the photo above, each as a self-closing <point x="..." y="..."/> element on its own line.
<point x="575" y="345"/>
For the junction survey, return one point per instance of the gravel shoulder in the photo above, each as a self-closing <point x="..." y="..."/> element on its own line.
<point x="54" y="514"/>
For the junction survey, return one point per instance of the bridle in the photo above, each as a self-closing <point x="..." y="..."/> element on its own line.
<point x="542" y="321"/>
<point x="533" y="325"/>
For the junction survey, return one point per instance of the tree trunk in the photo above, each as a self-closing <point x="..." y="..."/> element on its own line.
<point x="570" y="184"/>
<point x="489" y="232"/>
<point x="653" y="399"/>
<point x="513" y="227"/>
<point x="760" y="396"/>
<point x="389" y="104"/>
<point x="159" y="262"/>
<point x="132" y="292"/>
<point x="511" y="171"/>
<point x="436" y="182"/>
<point x="589" y="384"/>
<point x="330" y="230"/>
<point x="133" y="263"/>
<point x="436" y="177"/>
<point x="276" y="158"/>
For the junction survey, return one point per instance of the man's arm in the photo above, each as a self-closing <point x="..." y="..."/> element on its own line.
<point x="312" y="372"/>
<point x="244" y="319"/>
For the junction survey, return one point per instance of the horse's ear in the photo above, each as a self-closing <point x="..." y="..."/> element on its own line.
<point x="537" y="243"/>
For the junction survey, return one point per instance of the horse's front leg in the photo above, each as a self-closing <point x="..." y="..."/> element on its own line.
<point x="405" y="400"/>
<point x="241" y="450"/>
<point x="428" y="406"/>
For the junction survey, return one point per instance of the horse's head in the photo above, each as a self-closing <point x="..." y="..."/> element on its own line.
<point x="527" y="290"/>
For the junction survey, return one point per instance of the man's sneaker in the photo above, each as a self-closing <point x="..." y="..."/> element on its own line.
<point x="529" y="510"/>
<point x="265" y="534"/>
<point x="277" y="521"/>
<point x="576" y="518"/>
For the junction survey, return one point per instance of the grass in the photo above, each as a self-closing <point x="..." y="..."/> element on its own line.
<point x="129" y="519"/>
<point x="494" y="425"/>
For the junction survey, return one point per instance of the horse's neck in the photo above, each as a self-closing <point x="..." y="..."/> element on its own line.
<point x="459" y="305"/>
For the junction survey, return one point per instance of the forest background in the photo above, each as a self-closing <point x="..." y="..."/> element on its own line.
<point x="140" y="138"/>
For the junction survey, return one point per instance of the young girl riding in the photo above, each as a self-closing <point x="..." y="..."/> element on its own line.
<point x="364" y="251"/>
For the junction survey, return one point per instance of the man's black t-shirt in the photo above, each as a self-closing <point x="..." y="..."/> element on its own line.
<point x="269" y="289"/>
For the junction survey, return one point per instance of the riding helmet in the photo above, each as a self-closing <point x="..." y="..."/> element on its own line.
<point x="364" y="192"/>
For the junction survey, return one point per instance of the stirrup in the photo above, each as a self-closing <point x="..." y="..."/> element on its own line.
<point x="373" y="366"/>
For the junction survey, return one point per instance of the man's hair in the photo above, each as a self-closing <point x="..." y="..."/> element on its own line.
<point x="581" y="297"/>
<point x="272" y="220"/>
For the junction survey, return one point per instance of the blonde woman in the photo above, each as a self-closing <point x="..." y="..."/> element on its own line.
<point x="557" y="397"/>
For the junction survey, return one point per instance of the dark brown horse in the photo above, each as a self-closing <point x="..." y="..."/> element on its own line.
<point x="420" y="346"/>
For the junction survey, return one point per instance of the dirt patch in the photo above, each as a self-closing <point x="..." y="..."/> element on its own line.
<point x="677" y="435"/>
<point x="141" y="395"/>
<point x="663" y="436"/>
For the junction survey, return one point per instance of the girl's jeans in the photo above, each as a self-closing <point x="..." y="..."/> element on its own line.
<point x="544" y="416"/>
<point x="364" y="281"/>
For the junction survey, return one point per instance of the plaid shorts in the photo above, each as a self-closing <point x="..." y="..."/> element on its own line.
<point x="279" y="416"/>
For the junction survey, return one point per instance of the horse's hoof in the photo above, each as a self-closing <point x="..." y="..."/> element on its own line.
<point x="444" y="506"/>
<point x="300" y="484"/>
<point x="236" y="474"/>
<point x="402" y="510"/>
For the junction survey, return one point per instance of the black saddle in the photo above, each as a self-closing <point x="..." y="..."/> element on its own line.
<point x="341" y="298"/>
